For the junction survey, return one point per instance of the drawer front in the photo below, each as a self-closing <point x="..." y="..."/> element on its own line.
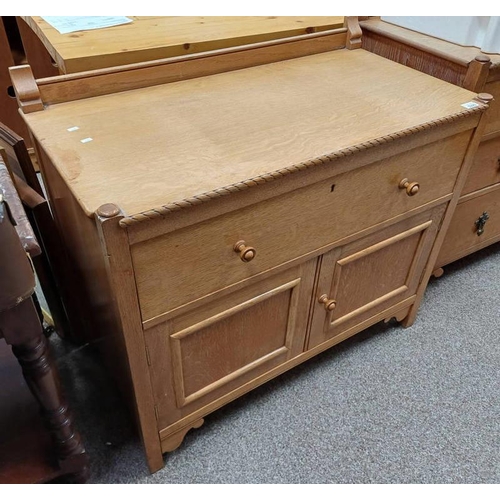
<point x="485" y="170"/>
<point x="462" y="236"/>
<point x="185" y="265"/>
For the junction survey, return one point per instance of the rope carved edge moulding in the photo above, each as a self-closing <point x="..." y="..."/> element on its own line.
<point x="165" y="210"/>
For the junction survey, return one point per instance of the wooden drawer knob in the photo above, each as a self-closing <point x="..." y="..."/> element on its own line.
<point x="412" y="188"/>
<point x="246" y="253"/>
<point x="329" y="304"/>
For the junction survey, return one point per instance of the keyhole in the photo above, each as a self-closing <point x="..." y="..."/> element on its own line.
<point x="332" y="188"/>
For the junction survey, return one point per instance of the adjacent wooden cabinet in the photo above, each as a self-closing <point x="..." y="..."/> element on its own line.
<point x="231" y="214"/>
<point x="467" y="67"/>
<point x="476" y="224"/>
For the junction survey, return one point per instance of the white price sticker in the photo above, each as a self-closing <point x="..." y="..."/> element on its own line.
<point x="470" y="105"/>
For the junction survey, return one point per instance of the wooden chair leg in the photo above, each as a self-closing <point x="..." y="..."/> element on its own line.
<point x="22" y="330"/>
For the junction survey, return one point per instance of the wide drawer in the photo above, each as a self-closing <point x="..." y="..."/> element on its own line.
<point x="485" y="170"/>
<point x="464" y="236"/>
<point x="181" y="266"/>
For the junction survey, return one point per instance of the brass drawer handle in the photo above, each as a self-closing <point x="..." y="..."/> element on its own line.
<point x="329" y="304"/>
<point x="481" y="222"/>
<point x="246" y="253"/>
<point x="412" y="188"/>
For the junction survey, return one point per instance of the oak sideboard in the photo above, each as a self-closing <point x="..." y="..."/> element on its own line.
<point x="229" y="215"/>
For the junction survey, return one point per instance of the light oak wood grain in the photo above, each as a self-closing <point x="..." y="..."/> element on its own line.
<point x="174" y="440"/>
<point x="225" y="127"/>
<point x="477" y="73"/>
<point x="211" y="350"/>
<point x="26" y="89"/>
<point x="398" y="309"/>
<point x="196" y="325"/>
<point x="461" y="179"/>
<point x="286" y="227"/>
<point x="80" y="243"/>
<point x="319" y="171"/>
<point x="464" y="66"/>
<point x="100" y="284"/>
<point x="129" y="77"/>
<point x="412" y="56"/>
<point x="353" y="33"/>
<point x="202" y="301"/>
<point x="124" y="310"/>
<point x="157" y="37"/>
<point x="232" y="337"/>
<point x="346" y="271"/>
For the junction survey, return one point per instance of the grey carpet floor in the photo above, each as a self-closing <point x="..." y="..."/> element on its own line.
<point x="390" y="405"/>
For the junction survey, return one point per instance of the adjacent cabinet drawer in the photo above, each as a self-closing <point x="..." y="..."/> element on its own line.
<point x="184" y="265"/>
<point x="485" y="170"/>
<point x="475" y="224"/>
<point x="493" y="124"/>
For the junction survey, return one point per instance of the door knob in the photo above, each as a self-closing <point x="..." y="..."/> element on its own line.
<point x="329" y="304"/>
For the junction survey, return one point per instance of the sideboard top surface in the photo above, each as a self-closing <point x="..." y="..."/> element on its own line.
<point x="170" y="142"/>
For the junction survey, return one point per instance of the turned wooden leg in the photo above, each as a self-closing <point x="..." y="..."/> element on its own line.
<point x="41" y="377"/>
<point x="31" y="349"/>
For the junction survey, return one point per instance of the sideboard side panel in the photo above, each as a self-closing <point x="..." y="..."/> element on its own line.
<point x="98" y="296"/>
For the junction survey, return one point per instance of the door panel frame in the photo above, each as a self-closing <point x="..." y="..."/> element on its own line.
<point x="176" y="341"/>
<point x="163" y="341"/>
<point x="323" y="327"/>
<point x="341" y="263"/>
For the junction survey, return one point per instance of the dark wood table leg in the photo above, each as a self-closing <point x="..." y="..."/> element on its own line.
<point x="22" y="330"/>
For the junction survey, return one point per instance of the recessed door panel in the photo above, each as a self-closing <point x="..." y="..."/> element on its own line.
<point x="214" y="350"/>
<point x="362" y="279"/>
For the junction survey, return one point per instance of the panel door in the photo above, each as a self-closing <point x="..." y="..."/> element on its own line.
<point x="359" y="281"/>
<point x="215" y="351"/>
